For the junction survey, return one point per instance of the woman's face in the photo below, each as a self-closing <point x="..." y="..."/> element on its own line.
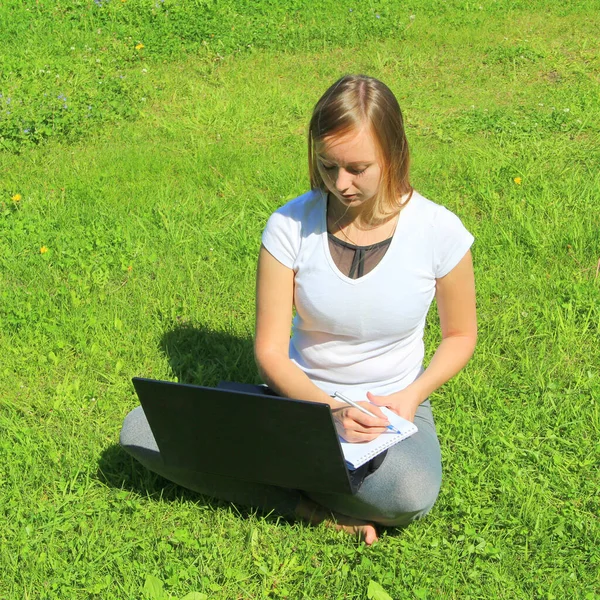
<point x="349" y="166"/>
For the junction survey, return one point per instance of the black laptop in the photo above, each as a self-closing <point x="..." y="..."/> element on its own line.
<point x="244" y="432"/>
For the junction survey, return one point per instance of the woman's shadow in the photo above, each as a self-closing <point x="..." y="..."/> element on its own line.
<point x="196" y="356"/>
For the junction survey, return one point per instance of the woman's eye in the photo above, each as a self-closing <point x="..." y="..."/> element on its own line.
<point x="357" y="172"/>
<point x="352" y="171"/>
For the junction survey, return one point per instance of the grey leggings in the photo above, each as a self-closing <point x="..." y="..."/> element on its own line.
<point x="402" y="489"/>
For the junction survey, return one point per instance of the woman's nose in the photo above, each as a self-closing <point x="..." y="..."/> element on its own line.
<point x="343" y="180"/>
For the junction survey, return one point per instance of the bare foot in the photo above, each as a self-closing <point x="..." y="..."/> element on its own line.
<point x="314" y="513"/>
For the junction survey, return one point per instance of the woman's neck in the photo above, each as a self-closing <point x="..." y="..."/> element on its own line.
<point x="352" y="224"/>
<point x="345" y="215"/>
<point x="358" y="217"/>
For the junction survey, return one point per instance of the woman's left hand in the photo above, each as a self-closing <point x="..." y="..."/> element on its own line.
<point x="403" y="403"/>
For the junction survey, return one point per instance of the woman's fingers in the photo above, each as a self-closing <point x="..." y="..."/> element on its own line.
<point x="356" y="432"/>
<point x="359" y="436"/>
<point x="349" y="422"/>
<point x="356" y="426"/>
<point x="378" y="420"/>
<point x="378" y="400"/>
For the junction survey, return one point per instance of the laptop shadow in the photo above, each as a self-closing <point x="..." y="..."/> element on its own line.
<point x="117" y="469"/>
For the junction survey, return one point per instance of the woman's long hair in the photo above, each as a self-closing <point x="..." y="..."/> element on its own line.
<point x="349" y="104"/>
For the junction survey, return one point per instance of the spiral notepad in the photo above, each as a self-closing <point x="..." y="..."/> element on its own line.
<point x="358" y="454"/>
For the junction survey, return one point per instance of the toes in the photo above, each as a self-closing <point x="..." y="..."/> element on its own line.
<point x="369" y="535"/>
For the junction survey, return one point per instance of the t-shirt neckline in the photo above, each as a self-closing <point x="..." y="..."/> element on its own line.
<point x="331" y="262"/>
<point x="337" y="240"/>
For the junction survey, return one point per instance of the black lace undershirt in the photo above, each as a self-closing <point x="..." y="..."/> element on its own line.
<point x="356" y="261"/>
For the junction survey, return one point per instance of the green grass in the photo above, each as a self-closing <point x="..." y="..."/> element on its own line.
<point x="151" y="215"/>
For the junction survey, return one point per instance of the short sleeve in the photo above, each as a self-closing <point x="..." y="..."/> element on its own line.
<point x="281" y="238"/>
<point x="451" y="241"/>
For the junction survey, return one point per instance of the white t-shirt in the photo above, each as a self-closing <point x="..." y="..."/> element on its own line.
<point x="365" y="332"/>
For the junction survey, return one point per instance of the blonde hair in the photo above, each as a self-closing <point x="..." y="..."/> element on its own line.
<point x="349" y="104"/>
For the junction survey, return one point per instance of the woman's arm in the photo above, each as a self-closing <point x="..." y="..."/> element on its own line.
<point x="274" y="301"/>
<point x="455" y="295"/>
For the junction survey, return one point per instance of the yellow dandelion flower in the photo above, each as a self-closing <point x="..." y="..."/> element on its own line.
<point x="518" y="180"/>
<point x="16" y="197"/>
<point x="43" y="250"/>
<point x="130" y="268"/>
<point x="140" y="46"/>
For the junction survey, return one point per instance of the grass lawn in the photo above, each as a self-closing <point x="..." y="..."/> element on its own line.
<point x="144" y="145"/>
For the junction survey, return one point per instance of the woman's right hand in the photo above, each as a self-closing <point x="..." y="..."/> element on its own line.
<point x="355" y="426"/>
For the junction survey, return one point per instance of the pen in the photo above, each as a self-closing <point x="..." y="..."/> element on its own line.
<point x="362" y="410"/>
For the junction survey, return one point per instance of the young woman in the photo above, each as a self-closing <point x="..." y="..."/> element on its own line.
<point x="360" y="257"/>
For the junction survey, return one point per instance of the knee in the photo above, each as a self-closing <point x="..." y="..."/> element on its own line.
<point x="130" y="431"/>
<point x="422" y="496"/>
<point x="137" y="440"/>
<point x="412" y="499"/>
